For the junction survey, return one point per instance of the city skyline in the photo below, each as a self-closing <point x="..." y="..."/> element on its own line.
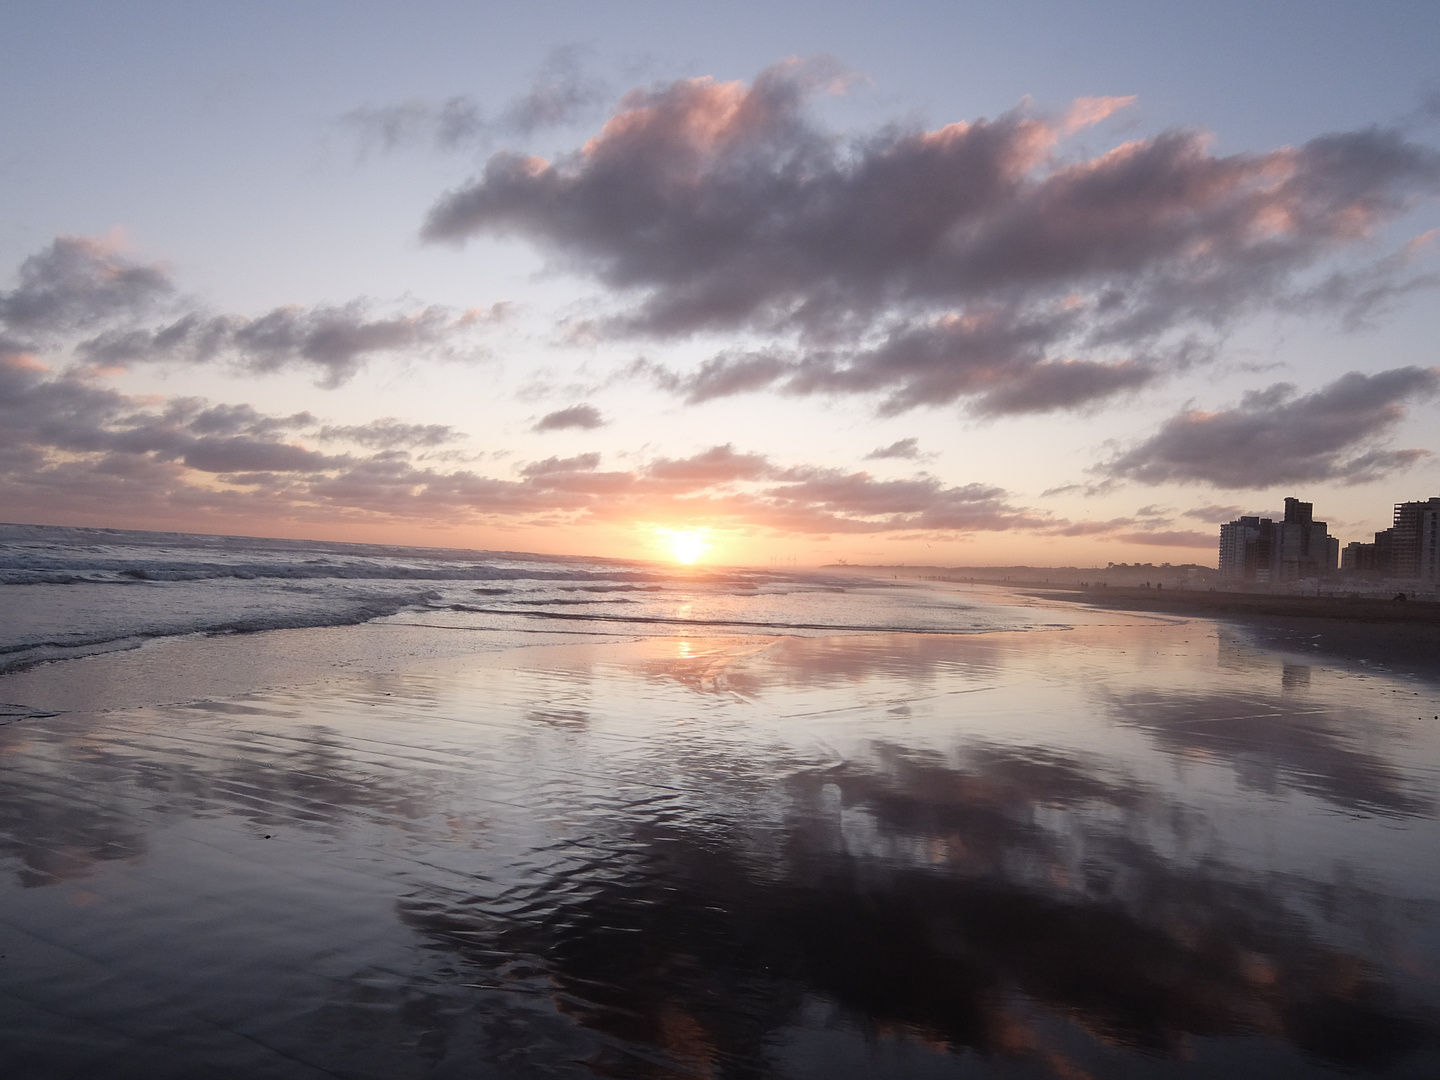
<point x="658" y="287"/>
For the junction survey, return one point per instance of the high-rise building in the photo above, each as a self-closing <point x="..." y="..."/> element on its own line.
<point x="1304" y="549"/>
<point x="1385" y="553"/>
<point x="1245" y="546"/>
<point x="1410" y="548"/>
<point x="1258" y="549"/>
<point x="1358" y="558"/>
<point x="1430" y="541"/>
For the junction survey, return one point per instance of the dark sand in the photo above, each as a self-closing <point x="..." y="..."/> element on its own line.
<point x="1398" y="635"/>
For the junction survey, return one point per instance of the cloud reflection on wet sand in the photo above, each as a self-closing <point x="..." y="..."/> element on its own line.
<point x="1091" y="850"/>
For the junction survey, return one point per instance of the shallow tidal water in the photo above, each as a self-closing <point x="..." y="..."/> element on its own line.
<point x="1119" y="846"/>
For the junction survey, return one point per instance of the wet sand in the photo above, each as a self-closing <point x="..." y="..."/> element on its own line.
<point x="1137" y="847"/>
<point x="1399" y="635"/>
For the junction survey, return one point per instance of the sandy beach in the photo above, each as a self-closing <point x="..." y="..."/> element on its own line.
<point x="1109" y="847"/>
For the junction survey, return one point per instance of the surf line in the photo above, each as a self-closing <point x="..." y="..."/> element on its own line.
<point x="661" y="620"/>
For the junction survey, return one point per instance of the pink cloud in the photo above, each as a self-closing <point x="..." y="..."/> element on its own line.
<point x="964" y="263"/>
<point x="1087" y="111"/>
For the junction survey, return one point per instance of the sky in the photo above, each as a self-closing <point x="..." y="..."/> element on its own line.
<point x="962" y="284"/>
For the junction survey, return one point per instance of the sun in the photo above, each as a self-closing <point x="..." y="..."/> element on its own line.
<point x="686" y="545"/>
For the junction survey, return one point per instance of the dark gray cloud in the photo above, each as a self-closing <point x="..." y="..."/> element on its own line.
<point x="1358" y="295"/>
<point x="1054" y="384"/>
<point x="720" y="376"/>
<point x="232" y="420"/>
<point x="585" y="417"/>
<point x="904" y="450"/>
<point x="74" y="416"/>
<point x="563" y="93"/>
<point x="241" y="455"/>
<point x="552" y="465"/>
<point x="1274" y="437"/>
<point x="989" y="359"/>
<point x="334" y="341"/>
<point x="82" y="295"/>
<point x="388" y="433"/>
<point x="969" y="262"/>
<point x="76" y="283"/>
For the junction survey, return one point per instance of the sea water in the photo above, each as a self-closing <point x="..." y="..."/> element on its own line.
<point x="68" y="592"/>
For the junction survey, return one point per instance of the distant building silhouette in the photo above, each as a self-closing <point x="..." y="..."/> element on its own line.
<point x="1245" y="546"/>
<point x="1429" y="556"/>
<point x="1408" y="551"/>
<point x="1410" y="548"/>
<point x="1258" y="549"/>
<point x="1358" y="558"/>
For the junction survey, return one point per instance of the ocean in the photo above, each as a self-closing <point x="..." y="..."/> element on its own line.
<point x="299" y="809"/>
<point x="70" y="592"/>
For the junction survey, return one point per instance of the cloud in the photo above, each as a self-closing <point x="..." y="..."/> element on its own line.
<point x="75" y="417"/>
<point x="238" y="455"/>
<point x="389" y="434"/>
<point x="585" y="417"/>
<point x="1088" y="111"/>
<point x="1102" y="487"/>
<point x="83" y="296"/>
<point x="1172" y="538"/>
<point x="69" y="445"/>
<point x="1274" y="437"/>
<point x="718" y="465"/>
<point x="1356" y="296"/>
<point x="1091" y="528"/>
<point x="334" y="341"/>
<point x="78" y="282"/>
<point x="974" y="262"/>
<point x="231" y="420"/>
<point x="720" y="376"/>
<point x="1214" y="513"/>
<point x="905" y="450"/>
<point x="989" y="358"/>
<point x="456" y="122"/>
<point x="562" y="94"/>
<point x="553" y="465"/>
<point x="818" y="499"/>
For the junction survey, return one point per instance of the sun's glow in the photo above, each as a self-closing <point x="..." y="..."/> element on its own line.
<point x="685" y="545"/>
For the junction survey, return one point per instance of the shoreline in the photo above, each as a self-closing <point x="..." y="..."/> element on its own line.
<point x="1399" y="635"/>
